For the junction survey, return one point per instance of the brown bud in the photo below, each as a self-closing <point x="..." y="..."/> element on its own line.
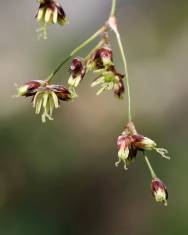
<point x="30" y="88"/>
<point x="143" y="143"/>
<point x="61" y="92"/>
<point x="77" y="68"/>
<point x="103" y="57"/>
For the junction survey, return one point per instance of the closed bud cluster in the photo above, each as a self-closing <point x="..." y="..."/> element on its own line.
<point x="51" y="12"/>
<point x="45" y="97"/>
<point x="78" y="71"/>
<point x="159" y="191"/>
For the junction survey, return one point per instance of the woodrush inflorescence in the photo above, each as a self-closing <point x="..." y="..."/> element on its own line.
<point x="47" y="96"/>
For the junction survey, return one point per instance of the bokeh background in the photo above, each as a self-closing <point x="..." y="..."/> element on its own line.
<point x="59" y="178"/>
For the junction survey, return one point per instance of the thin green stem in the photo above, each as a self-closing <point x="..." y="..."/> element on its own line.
<point x="113" y="9"/>
<point x="122" y="51"/>
<point x="150" y="167"/>
<point x="84" y="44"/>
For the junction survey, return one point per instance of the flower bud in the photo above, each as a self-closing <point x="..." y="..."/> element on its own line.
<point x="143" y="143"/>
<point x="159" y="191"/>
<point x="61" y="92"/>
<point x="30" y="88"/>
<point x="103" y="58"/>
<point x="78" y="70"/>
<point x="125" y="152"/>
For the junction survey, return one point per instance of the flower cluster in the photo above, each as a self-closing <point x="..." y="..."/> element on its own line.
<point x="44" y="96"/>
<point x="129" y="143"/>
<point x="101" y="62"/>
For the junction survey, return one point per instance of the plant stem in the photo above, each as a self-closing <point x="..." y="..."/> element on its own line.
<point x="150" y="168"/>
<point x="113" y="25"/>
<point x="84" y="44"/>
<point x="113" y="9"/>
<point x="122" y="51"/>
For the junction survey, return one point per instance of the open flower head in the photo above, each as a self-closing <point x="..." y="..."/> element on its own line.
<point x="78" y="71"/>
<point x="46" y="97"/>
<point x="159" y="191"/>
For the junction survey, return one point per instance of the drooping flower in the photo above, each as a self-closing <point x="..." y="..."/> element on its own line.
<point x="159" y="191"/>
<point x="45" y="97"/>
<point x="130" y="142"/>
<point x="78" y="71"/>
<point x="49" y="12"/>
<point x="126" y="151"/>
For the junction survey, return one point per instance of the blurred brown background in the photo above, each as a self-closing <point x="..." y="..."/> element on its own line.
<point x="59" y="178"/>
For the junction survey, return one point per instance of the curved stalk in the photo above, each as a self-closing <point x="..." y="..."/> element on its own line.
<point x="84" y="44"/>
<point x="153" y="175"/>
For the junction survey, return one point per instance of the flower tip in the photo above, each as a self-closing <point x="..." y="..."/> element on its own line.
<point x="22" y="91"/>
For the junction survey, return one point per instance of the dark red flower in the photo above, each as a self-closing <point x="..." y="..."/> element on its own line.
<point x="102" y="58"/>
<point x="78" y="71"/>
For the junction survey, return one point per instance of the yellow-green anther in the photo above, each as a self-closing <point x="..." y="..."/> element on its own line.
<point x="38" y="105"/>
<point x="55" y="99"/>
<point x="55" y="16"/>
<point x="51" y="102"/>
<point x="45" y="99"/>
<point x="40" y="14"/>
<point x="36" y="99"/>
<point x="48" y="15"/>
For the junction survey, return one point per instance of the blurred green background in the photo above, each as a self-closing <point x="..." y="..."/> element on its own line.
<point x="59" y="178"/>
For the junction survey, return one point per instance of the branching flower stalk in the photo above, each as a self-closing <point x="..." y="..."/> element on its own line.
<point x="47" y="96"/>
